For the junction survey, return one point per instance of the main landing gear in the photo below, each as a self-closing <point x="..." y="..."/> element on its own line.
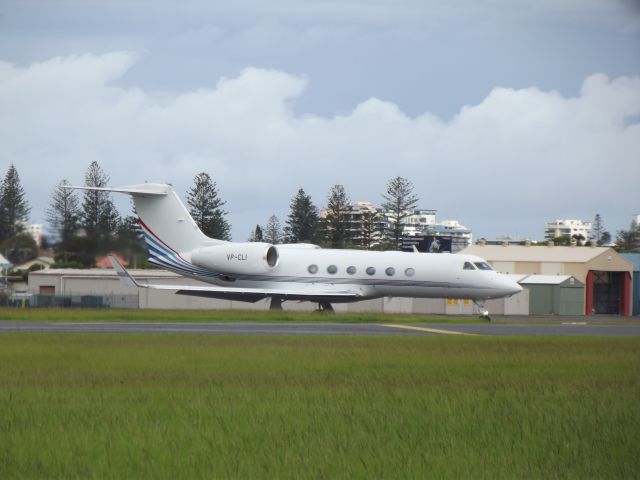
<point x="276" y="304"/>
<point x="325" y="307"/>
<point x="484" y="313"/>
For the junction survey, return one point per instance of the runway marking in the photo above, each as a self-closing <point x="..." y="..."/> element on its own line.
<point x="432" y="330"/>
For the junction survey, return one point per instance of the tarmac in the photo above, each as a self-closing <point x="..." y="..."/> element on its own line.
<point x="557" y="326"/>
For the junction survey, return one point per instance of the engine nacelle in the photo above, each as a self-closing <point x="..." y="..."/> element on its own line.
<point x="237" y="258"/>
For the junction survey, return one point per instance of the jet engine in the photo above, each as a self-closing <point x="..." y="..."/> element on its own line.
<point x="237" y="258"/>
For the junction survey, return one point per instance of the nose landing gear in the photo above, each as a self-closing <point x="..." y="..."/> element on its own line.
<point x="484" y="313"/>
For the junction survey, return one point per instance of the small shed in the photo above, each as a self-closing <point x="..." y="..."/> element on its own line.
<point x="554" y="294"/>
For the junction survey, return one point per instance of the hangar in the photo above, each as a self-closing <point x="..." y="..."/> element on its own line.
<point x="101" y="287"/>
<point x="605" y="274"/>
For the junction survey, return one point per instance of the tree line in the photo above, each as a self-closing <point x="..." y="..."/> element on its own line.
<point x="84" y="228"/>
<point x="85" y="225"/>
<point x="341" y="224"/>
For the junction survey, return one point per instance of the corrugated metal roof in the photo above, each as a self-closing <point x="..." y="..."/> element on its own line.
<point x="516" y="277"/>
<point x="547" y="279"/>
<point x="105" y="272"/>
<point x="521" y="253"/>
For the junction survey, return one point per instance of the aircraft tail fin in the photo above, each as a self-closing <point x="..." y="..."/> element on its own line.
<point x="168" y="228"/>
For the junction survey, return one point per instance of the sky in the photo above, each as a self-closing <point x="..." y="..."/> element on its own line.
<point x="504" y="114"/>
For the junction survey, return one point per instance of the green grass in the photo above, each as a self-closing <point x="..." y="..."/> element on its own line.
<point x="186" y="406"/>
<point x="148" y="315"/>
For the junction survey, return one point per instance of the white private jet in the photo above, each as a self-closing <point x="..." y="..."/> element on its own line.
<point x="251" y="271"/>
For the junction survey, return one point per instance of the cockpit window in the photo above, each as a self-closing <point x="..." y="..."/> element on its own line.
<point x="468" y="266"/>
<point x="483" y="266"/>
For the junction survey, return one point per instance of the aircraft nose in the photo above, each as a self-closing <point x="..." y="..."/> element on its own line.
<point x="506" y="286"/>
<point x="511" y="287"/>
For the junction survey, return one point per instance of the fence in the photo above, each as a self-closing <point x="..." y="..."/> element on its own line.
<point x="81" y="301"/>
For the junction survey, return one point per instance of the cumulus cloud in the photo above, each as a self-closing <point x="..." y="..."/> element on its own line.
<point x="506" y="165"/>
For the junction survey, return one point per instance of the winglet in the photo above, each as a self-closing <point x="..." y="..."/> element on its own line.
<point x="123" y="275"/>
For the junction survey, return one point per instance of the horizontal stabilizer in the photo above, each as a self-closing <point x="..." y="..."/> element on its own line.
<point x="141" y="189"/>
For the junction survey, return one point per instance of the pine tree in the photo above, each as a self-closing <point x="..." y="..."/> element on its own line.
<point x="599" y="235"/>
<point x="14" y="208"/>
<point x="302" y="222"/>
<point x="336" y="223"/>
<point x="628" y="241"/>
<point x="256" y="235"/>
<point x="100" y="218"/>
<point x="273" y="231"/>
<point x="369" y="232"/>
<point x="205" y="206"/>
<point x="399" y="201"/>
<point x="130" y="242"/>
<point x="63" y="216"/>
<point x="19" y="248"/>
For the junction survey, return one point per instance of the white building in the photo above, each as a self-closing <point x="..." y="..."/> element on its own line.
<point x="567" y="228"/>
<point x="418" y="222"/>
<point x="415" y="221"/>
<point x="420" y="218"/>
<point x="34" y="230"/>
<point x="364" y="223"/>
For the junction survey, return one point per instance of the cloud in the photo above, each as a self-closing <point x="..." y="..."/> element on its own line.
<point x="505" y="165"/>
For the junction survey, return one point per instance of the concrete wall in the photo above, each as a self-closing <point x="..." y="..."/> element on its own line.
<point x="517" y="304"/>
<point x="505" y="267"/>
<point x="528" y="268"/>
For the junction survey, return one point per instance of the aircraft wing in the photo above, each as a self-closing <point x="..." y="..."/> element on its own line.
<point x="241" y="294"/>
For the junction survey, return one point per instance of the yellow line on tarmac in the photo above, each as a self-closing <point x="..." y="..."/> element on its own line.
<point x="432" y="330"/>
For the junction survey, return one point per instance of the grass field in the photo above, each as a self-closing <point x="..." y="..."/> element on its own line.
<point x="149" y="315"/>
<point x="186" y="406"/>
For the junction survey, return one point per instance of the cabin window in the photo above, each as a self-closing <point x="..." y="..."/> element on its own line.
<point x="313" y="269"/>
<point x="409" y="272"/>
<point x="371" y="271"/>
<point x="351" y="270"/>
<point x="332" y="269"/>
<point x="483" y="266"/>
<point x="390" y="271"/>
<point x="468" y="266"/>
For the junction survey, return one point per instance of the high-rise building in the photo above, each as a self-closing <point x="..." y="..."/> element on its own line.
<point x="368" y="225"/>
<point x="567" y="228"/>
